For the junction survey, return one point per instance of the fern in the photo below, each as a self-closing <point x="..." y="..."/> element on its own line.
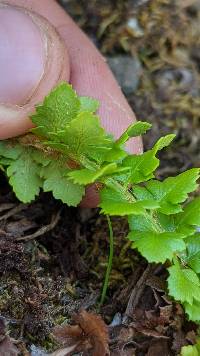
<point x="68" y="149"/>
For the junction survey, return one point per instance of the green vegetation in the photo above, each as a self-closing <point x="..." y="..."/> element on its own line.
<point x="68" y="149"/>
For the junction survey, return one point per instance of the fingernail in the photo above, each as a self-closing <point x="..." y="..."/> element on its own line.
<point x="22" y="55"/>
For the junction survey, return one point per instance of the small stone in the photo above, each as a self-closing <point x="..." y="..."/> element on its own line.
<point x="182" y="79"/>
<point x="134" y="28"/>
<point x="127" y="71"/>
<point x="36" y="351"/>
<point x="117" y="320"/>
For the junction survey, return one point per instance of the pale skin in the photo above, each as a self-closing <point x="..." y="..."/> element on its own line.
<point x="28" y="73"/>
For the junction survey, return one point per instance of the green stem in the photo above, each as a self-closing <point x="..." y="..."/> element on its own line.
<point x="110" y="259"/>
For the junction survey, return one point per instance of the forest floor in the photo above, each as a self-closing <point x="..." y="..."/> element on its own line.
<point x="53" y="258"/>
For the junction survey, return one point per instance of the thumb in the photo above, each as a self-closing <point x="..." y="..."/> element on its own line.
<point x="33" y="60"/>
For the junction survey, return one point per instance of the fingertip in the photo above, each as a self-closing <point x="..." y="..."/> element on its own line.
<point x="34" y="59"/>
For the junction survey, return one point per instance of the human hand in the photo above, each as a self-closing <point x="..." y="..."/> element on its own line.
<point x="33" y="60"/>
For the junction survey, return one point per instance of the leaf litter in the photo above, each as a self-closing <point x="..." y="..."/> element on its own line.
<point x="89" y="333"/>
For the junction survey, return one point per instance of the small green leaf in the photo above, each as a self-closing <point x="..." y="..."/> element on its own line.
<point x="158" y="222"/>
<point x="190" y="350"/>
<point x="142" y="166"/>
<point x="171" y="223"/>
<point x="24" y="177"/>
<point x="177" y="188"/>
<point x="193" y="252"/>
<point x="120" y="203"/>
<point x="142" y="223"/>
<point x="173" y="190"/>
<point x="82" y="176"/>
<point x="58" y="109"/>
<point x="141" y="193"/>
<point x="163" y="142"/>
<point x="167" y="222"/>
<point x="85" y="176"/>
<point x="88" y="104"/>
<point x="139" y="128"/>
<point x="84" y="137"/>
<point x="5" y="161"/>
<point x="191" y="213"/>
<point x="183" y="284"/>
<point x="40" y="157"/>
<point x="157" y="247"/>
<point x="136" y="129"/>
<point x="62" y="187"/>
<point x="115" y="154"/>
<point x="193" y="311"/>
<point x="10" y="149"/>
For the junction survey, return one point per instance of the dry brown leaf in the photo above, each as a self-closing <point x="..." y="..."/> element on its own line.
<point x="96" y="330"/>
<point x="90" y="332"/>
<point x="67" y="334"/>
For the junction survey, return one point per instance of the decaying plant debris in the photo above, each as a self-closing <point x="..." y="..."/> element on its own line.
<point x="88" y="333"/>
<point x="49" y="274"/>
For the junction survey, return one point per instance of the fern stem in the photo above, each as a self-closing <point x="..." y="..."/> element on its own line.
<point x="110" y="259"/>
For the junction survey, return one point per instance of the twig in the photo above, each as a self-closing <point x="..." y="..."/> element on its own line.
<point x="137" y="292"/>
<point x="43" y="230"/>
<point x="6" y="206"/>
<point x="64" y="352"/>
<point x="13" y="211"/>
<point x="4" y="233"/>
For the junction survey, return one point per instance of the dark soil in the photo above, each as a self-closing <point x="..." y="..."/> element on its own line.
<point x="53" y="258"/>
